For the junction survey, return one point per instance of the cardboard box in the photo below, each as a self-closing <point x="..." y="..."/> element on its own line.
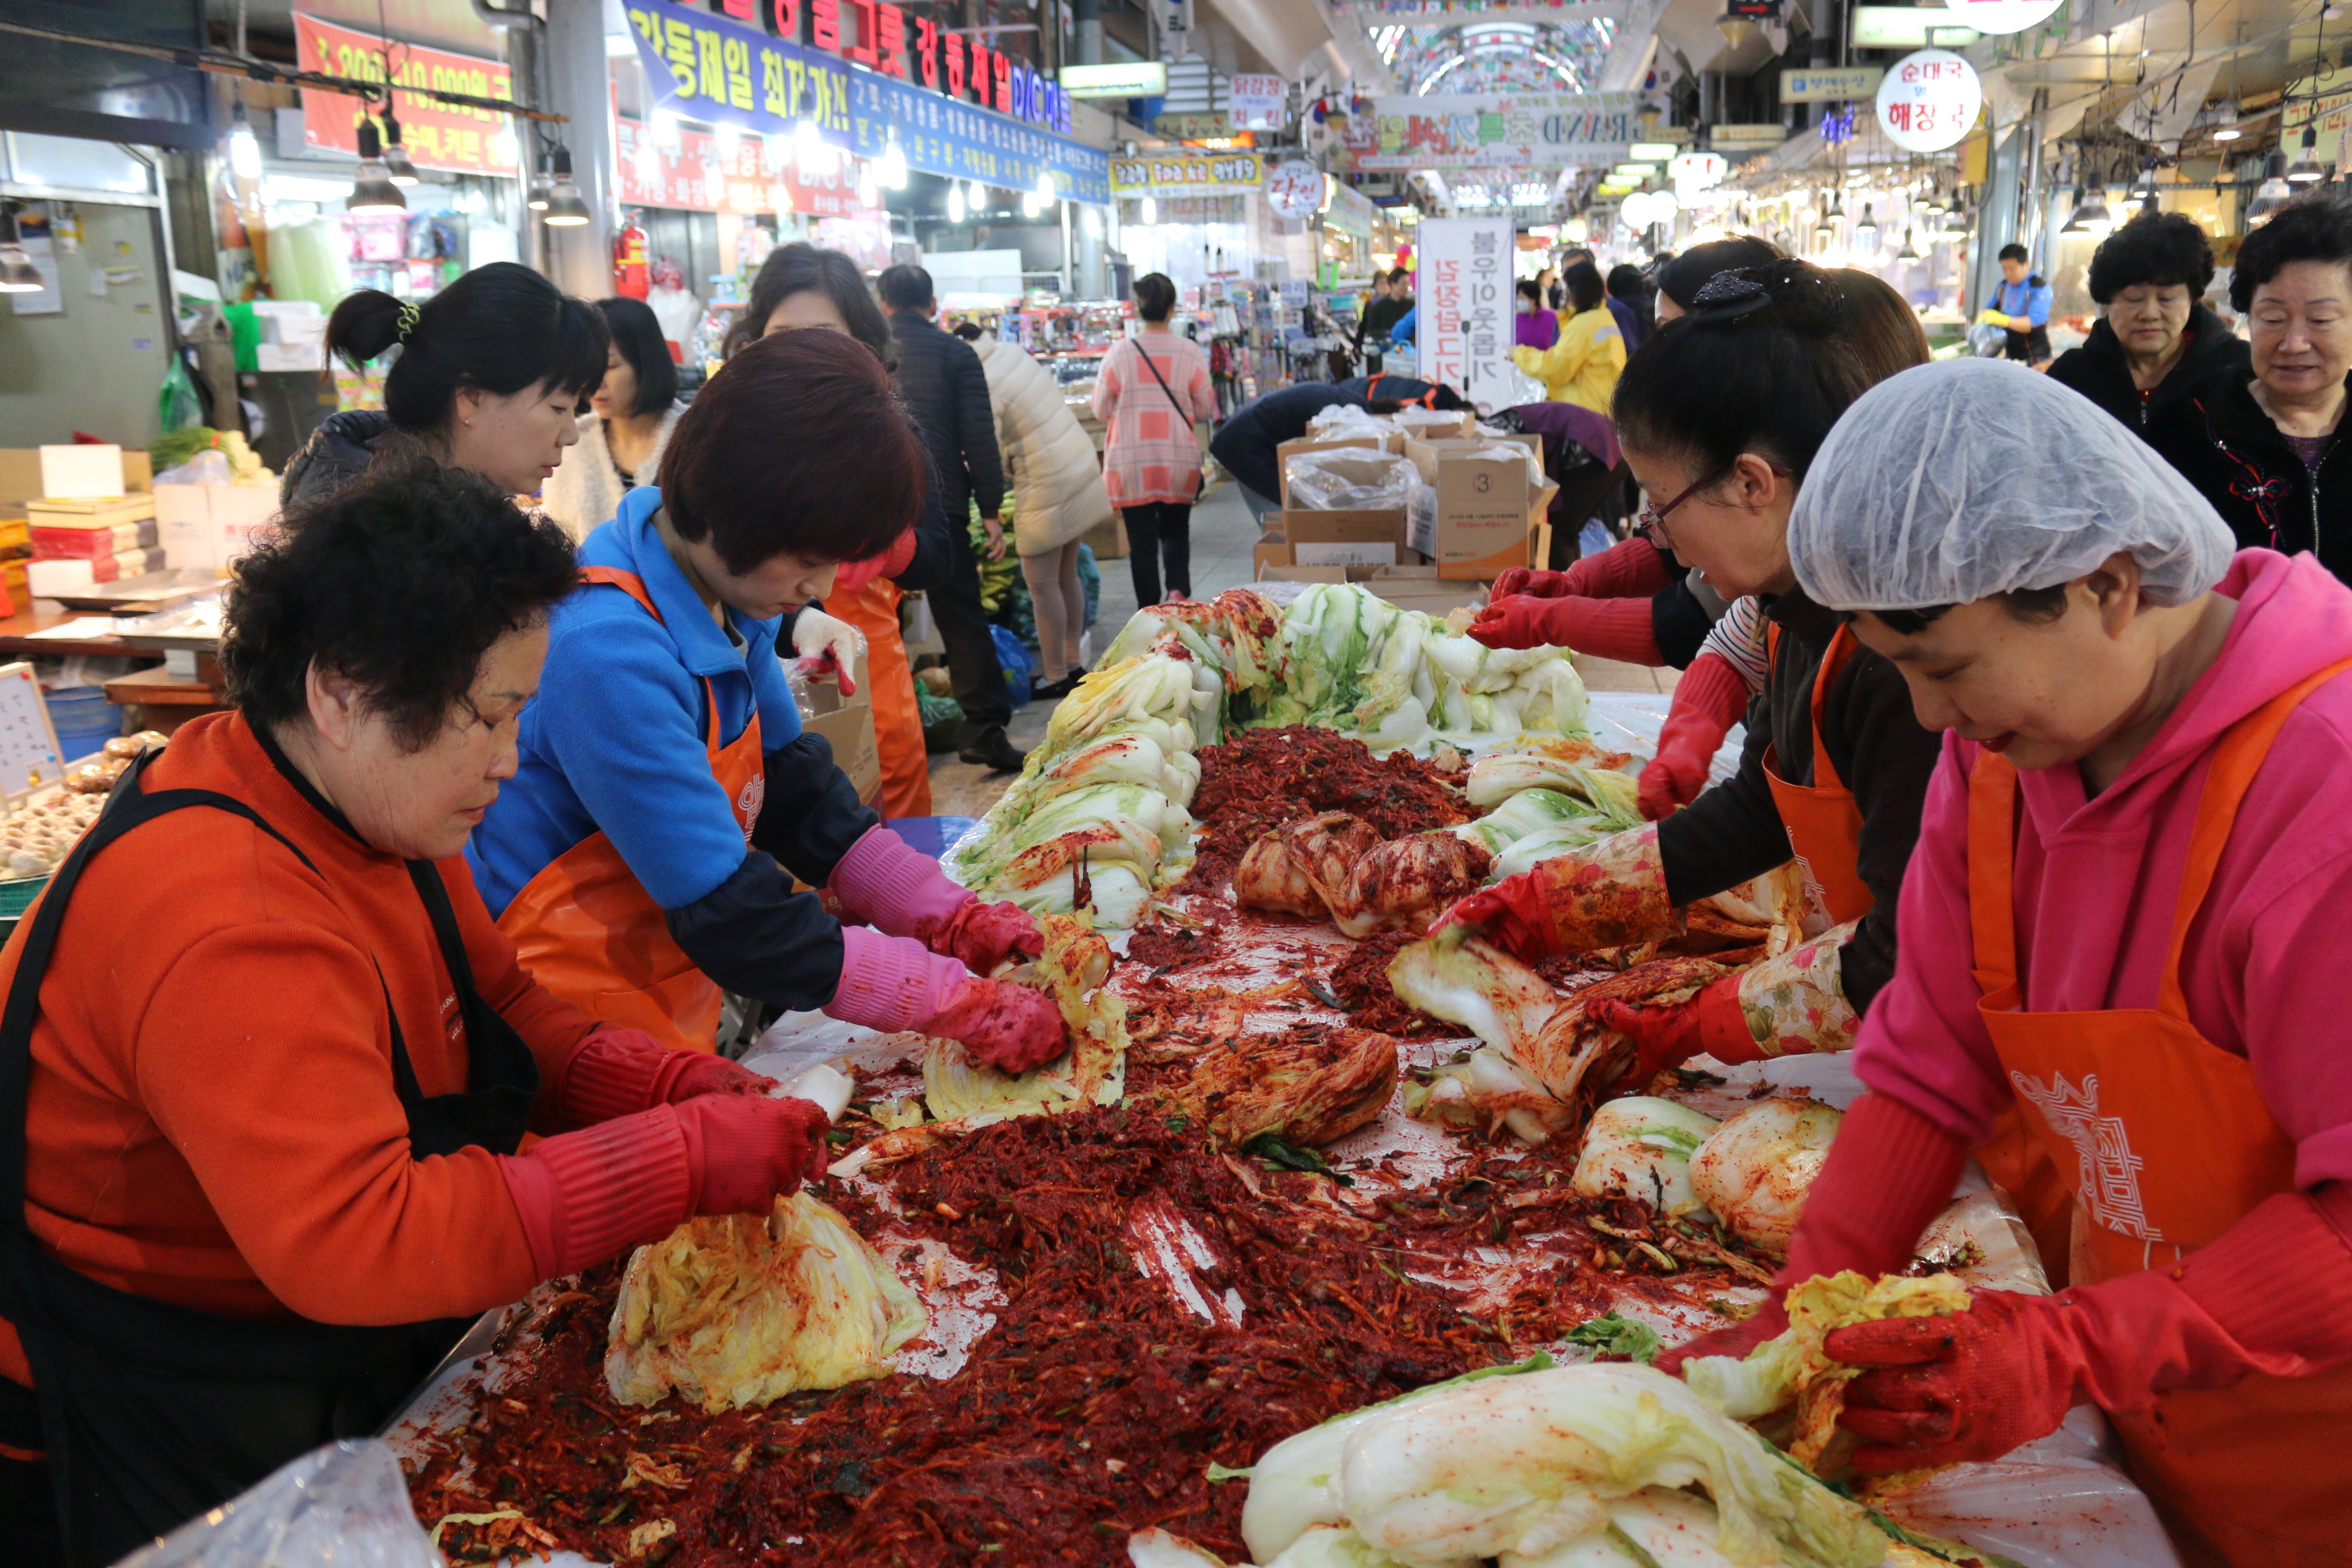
<point x="1391" y="443"/>
<point x="207" y="527"/>
<point x="1487" y="512"/>
<point x="1107" y="540"/>
<point x="20" y="474"/>
<point x="1370" y="470"/>
<point x="1433" y="424"/>
<point x="848" y="725"/>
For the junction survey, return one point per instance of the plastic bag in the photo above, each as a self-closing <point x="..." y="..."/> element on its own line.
<point x="1426" y="421"/>
<point x="1351" y="478"/>
<point x="209" y="467"/>
<point x="1020" y="664"/>
<point x="1090" y="581"/>
<point x="177" y="406"/>
<point x="342" y="1506"/>
<point x="1345" y="421"/>
<point x="2062" y="1501"/>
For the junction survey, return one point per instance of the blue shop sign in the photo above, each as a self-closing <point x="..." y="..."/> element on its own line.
<point x="940" y="136"/>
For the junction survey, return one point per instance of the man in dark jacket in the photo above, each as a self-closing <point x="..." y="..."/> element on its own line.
<point x="941" y="381"/>
<point x="1245" y="444"/>
<point x="2154" y="340"/>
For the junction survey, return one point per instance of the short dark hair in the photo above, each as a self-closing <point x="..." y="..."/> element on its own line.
<point x="1530" y="289"/>
<point x="400" y="581"/>
<point x="1682" y="277"/>
<point x="2034" y="606"/>
<point x="1585" y="290"/>
<point x="756" y="466"/>
<point x="969" y="331"/>
<point x="637" y="334"/>
<point x="1155" y="295"/>
<point x="2315" y="227"/>
<point x="798" y="268"/>
<point x="1572" y="255"/>
<point x="502" y="328"/>
<point x="1626" y="283"/>
<point x="1771" y="377"/>
<point x="905" y="287"/>
<point x="2013" y="253"/>
<point x="2162" y="248"/>
<point x="1399" y="275"/>
<point x="1881" y="325"/>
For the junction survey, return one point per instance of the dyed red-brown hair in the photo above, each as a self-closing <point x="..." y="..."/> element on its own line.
<point x="798" y="444"/>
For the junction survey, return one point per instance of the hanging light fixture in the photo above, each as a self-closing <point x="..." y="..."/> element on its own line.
<point x="1909" y="252"/>
<point x="17" y="273"/>
<point x="2225" y="115"/>
<point x="666" y="130"/>
<point x="809" y="150"/>
<point x="869" y="195"/>
<point x="371" y="192"/>
<point x="2143" y="191"/>
<point x="2307" y="169"/>
<point x="396" y="166"/>
<point x="540" y="184"/>
<point x="2272" y="194"/>
<point x="244" y="147"/>
<point x="1046" y="195"/>
<point x="727" y="140"/>
<point x="1866" y="233"/>
<point x="1150" y="210"/>
<point x="506" y="152"/>
<point x="956" y="210"/>
<point x="892" y="172"/>
<point x="564" y="207"/>
<point x="975" y="196"/>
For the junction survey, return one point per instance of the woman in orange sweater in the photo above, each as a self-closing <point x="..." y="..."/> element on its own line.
<point x="266" y="1062"/>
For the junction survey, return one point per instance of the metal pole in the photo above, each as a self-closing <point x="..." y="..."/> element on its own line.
<point x="1996" y="220"/>
<point x="581" y="259"/>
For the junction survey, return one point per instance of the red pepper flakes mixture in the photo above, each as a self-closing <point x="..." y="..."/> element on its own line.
<point x="1360" y="980"/>
<point x="1093" y="1405"/>
<point x="1263" y="778"/>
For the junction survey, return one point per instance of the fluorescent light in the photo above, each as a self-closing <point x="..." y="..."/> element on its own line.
<point x="1653" y="151"/>
<point x="1150" y="209"/>
<point x="892" y="172"/>
<point x="956" y="210"/>
<point x="243" y="147"/>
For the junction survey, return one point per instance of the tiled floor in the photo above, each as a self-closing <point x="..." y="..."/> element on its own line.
<point x="1222" y="536"/>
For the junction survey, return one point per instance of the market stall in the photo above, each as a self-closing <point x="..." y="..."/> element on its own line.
<point x="1299" y="1163"/>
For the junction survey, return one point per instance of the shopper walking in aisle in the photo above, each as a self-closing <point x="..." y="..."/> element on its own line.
<point x="940" y="378"/>
<point x="2021" y="307"/>
<point x="1533" y="327"/>
<point x="490" y="375"/>
<point x="1151" y="390"/>
<point x="2156" y="340"/>
<point x="802" y="287"/>
<point x="1248" y="444"/>
<point x="1721" y="414"/>
<point x="2268" y="451"/>
<point x="1058" y="496"/>
<point x="665" y="796"/>
<point x="1391" y="297"/>
<point x="1582" y="366"/>
<point x="268" y="1063"/>
<point x="2124" y="924"/>
<point x="629" y="418"/>
<point x="1629" y="300"/>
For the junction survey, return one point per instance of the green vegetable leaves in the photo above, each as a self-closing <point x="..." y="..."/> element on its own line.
<point x="1612" y="1335"/>
<point x="1290" y="1157"/>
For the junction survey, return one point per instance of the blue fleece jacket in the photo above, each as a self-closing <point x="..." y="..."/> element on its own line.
<point x="614" y="740"/>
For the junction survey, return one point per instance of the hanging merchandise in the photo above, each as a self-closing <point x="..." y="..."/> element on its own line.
<point x="632" y="271"/>
<point x="1929" y="100"/>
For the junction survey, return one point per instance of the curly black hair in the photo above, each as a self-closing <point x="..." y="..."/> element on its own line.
<point x="400" y="581"/>
<point x="2161" y="249"/>
<point x="2317" y="228"/>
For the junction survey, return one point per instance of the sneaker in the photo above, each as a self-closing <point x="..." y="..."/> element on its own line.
<point x="994" y="752"/>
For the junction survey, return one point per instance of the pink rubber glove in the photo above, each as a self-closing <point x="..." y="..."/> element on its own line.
<point x="615" y="1072"/>
<point x="1890" y="1171"/>
<point x="1010" y="1027"/>
<point x="748" y="1152"/>
<point x="1608" y="628"/>
<point x="1709" y="699"/>
<point x="893" y="982"/>
<point x="897" y="889"/>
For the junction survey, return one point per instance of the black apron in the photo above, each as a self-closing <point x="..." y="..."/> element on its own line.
<point x="152" y="1413"/>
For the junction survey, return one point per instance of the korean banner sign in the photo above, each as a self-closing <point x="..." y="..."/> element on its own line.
<point x="940" y="136"/>
<point x="436" y="136"/>
<point x="696" y="178"/>
<point x="1523" y="130"/>
<point x="1463" y="291"/>
<point x="1181" y="174"/>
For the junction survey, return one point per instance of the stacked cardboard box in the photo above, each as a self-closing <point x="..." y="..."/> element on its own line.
<point x="1488" y="507"/>
<point x="78" y="542"/>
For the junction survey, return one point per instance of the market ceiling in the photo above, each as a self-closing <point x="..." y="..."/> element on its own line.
<point x="1484" y="56"/>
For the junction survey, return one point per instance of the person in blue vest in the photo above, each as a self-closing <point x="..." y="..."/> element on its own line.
<point x="2021" y="307"/>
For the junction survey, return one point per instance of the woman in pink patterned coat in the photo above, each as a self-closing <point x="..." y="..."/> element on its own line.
<point x="1152" y="387"/>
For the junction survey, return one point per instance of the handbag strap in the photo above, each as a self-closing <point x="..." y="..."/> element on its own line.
<point x="1182" y="411"/>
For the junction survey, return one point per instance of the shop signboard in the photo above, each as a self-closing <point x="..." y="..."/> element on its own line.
<point x="1118" y="78"/>
<point x="1908" y="27"/>
<point x="940" y="136"/>
<point x="1929" y="100"/>
<point x="1462" y="290"/>
<point x="695" y="176"/>
<point x="1746" y="138"/>
<point x="1257" y="101"/>
<point x="2001" y="15"/>
<point x="1294" y="188"/>
<point x="1192" y="127"/>
<point x="1348" y="210"/>
<point x="1829" y="84"/>
<point x="711" y="69"/>
<point x="1479" y="131"/>
<point x="1175" y="173"/>
<point x="436" y="136"/>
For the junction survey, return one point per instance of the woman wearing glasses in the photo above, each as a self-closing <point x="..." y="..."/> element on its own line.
<point x="1720" y="414"/>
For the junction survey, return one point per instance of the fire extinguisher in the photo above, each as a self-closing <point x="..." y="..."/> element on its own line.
<point x="631" y="274"/>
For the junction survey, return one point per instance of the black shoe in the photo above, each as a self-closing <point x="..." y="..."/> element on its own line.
<point x="1056" y="690"/>
<point x="994" y="752"/>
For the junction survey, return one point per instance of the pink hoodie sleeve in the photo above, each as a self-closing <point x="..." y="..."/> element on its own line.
<point x="2295" y="1001"/>
<point x="1922" y="1043"/>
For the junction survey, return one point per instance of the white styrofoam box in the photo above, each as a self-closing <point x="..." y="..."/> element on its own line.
<point x="290" y="356"/>
<point x="78" y="471"/>
<point x="47" y="579"/>
<point x="184" y="524"/>
<point x="239" y="512"/>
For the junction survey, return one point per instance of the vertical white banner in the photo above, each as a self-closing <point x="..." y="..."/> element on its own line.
<point x="1463" y="293"/>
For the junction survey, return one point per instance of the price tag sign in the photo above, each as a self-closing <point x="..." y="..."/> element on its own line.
<point x="1929" y="100"/>
<point x="1294" y="188"/>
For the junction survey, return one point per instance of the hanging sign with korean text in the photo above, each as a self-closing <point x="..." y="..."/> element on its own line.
<point x="436" y="136"/>
<point x="1294" y="188"/>
<point x="1541" y="130"/>
<point x="1256" y="100"/>
<point x="1929" y="100"/>
<point x="1190" y="175"/>
<point x="1462" y="290"/>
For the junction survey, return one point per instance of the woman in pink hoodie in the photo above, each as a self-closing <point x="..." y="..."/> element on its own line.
<point x="2125" y="916"/>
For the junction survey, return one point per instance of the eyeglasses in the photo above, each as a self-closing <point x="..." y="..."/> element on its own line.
<point x="1648" y="521"/>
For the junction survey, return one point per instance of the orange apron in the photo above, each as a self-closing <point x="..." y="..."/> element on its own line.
<point x="898" y="722"/>
<point x="1824" y="827"/>
<point x="588" y="930"/>
<point x="2165" y="1142"/>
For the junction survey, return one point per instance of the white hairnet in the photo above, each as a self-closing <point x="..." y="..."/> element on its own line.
<point x="1965" y="478"/>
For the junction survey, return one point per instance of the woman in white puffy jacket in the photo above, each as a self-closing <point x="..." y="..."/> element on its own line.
<point x="1057" y="495"/>
<point x="628" y="421"/>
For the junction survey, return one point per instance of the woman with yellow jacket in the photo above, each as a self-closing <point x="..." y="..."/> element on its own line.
<point x="1581" y="367"/>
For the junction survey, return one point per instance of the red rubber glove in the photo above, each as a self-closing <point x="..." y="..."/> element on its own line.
<point x="1890" y="1171"/>
<point x="1508" y="915"/>
<point x="1709" y="699"/>
<point x="1010" y="1027"/>
<point x="747" y="1153"/>
<point x="1634" y="569"/>
<point x="985" y="935"/>
<point x="1710" y="1024"/>
<point x="1969" y="1386"/>
<point x="1606" y="628"/>
<point x="692" y="1074"/>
